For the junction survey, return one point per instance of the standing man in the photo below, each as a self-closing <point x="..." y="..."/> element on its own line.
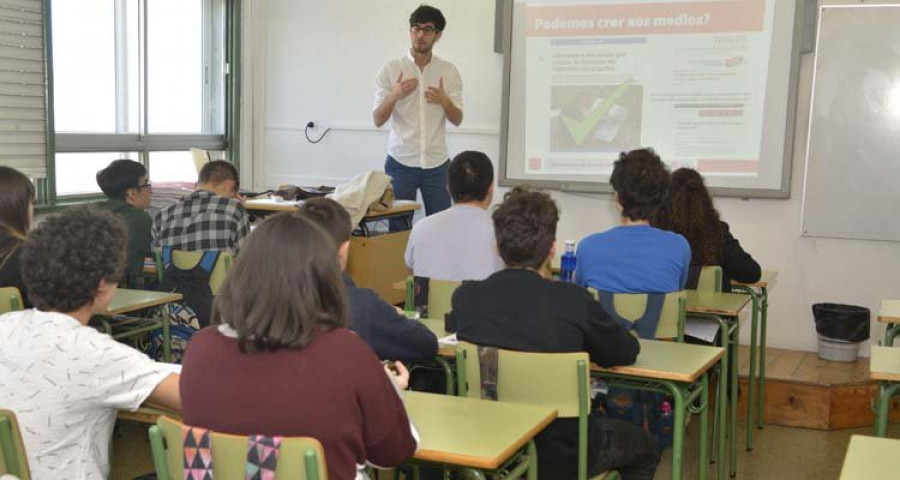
<point x="419" y="92"/>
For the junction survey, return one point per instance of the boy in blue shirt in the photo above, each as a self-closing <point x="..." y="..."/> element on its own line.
<point x="635" y="257"/>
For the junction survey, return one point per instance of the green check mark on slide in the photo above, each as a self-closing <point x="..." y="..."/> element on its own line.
<point x="579" y="129"/>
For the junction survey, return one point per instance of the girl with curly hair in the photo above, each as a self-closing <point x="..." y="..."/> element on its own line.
<point x="689" y="211"/>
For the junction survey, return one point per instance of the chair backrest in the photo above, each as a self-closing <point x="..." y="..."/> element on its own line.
<point x="300" y="458"/>
<point x="631" y="306"/>
<point x="13" y="460"/>
<point x="710" y="279"/>
<point x="186" y="260"/>
<point x="555" y="380"/>
<point x="10" y="299"/>
<point x="440" y="294"/>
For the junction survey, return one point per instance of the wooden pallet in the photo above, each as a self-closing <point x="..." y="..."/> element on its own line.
<point x="803" y="390"/>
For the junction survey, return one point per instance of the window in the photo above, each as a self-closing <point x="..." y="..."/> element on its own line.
<point x="139" y="79"/>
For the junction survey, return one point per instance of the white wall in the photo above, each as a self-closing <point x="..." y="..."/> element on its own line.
<point x="320" y="59"/>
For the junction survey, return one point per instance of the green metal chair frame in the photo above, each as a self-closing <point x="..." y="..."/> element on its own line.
<point x="185" y="259"/>
<point x="10" y="299"/>
<point x="13" y="460"/>
<point x="631" y="306"/>
<point x="440" y="294"/>
<point x="710" y="279"/>
<point x="556" y="380"/>
<point x="301" y="458"/>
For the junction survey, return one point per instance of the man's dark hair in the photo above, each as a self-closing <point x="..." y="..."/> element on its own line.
<point x="331" y="216"/>
<point x="119" y="176"/>
<point x="525" y="227"/>
<point x="67" y="255"/>
<point x="285" y="287"/>
<point x="470" y="176"/>
<point x="428" y="14"/>
<point x="642" y="181"/>
<point x="217" y="171"/>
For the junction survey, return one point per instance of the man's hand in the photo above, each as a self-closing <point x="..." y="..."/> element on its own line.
<point x="437" y="94"/>
<point x="398" y="374"/>
<point x="402" y="88"/>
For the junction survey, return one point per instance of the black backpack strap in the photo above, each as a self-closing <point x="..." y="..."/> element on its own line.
<point x="646" y="324"/>
<point x="487" y="364"/>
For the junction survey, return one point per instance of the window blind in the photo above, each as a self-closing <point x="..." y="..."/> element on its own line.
<point x="23" y="113"/>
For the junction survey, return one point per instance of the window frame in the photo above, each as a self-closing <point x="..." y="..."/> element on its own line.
<point x="143" y="143"/>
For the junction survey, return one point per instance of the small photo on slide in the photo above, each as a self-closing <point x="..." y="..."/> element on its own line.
<point x="595" y="118"/>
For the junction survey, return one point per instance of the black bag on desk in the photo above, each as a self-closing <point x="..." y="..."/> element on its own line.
<point x="195" y="308"/>
<point x="294" y="193"/>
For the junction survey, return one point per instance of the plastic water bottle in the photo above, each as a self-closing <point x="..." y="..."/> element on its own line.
<point x="568" y="262"/>
<point x="665" y="424"/>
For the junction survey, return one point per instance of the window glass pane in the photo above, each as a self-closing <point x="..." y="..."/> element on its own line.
<point x="77" y="172"/>
<point x="172" y="167"/>
<point x="91" y="66"/>
<point x="184" y="67"/>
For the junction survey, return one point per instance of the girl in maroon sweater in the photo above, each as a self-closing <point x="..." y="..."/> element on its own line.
<point x="279" y="360"/>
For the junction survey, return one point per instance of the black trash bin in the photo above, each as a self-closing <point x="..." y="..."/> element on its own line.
<point x="841" y="328"/>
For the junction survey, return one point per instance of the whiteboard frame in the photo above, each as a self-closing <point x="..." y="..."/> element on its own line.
<point x="783" y="192"/>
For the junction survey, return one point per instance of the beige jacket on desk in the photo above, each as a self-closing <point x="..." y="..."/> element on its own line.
<point x="370" y="190"/>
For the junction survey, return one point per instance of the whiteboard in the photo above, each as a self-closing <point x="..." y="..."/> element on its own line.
<point x="709" y="84"/>
<point x="852" y="184"/>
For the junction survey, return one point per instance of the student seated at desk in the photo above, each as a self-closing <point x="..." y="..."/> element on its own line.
<point x="210" y="218"/>
<point x="458" y="243"/>
<point x="635" y="257"/>
<point x="689" y="211"/>
<point x="521" y="309"/>
<point x="278" y="359"/>
<point x="63" y="379"/>
<point x="125" y="184"/>
<point x="382" y="326"/>
<point x="16" y="214"/>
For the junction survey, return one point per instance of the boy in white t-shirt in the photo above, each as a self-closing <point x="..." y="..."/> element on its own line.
<point x="63" y="379"/>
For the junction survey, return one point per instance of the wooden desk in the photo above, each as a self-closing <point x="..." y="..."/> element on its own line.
<point x="458" y="431"/>
<point x="436" y="326"/>
<point x="725" y="309"/>
<point x="679" y="369"/>
<point x="884" y="367"/>
<point x="759" y="296"/>
<point x="473" y="433"/>
<point x="127" y="301"/>
<point x="870" y="458"/>
<point x="375" y="261"/>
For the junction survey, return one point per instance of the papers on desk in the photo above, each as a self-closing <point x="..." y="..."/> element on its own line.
<point x="272" y="201"/>
<point x="703" y="328"/>
<point x="448" y="340"/>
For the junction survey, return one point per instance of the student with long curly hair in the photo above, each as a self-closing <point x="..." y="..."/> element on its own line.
<point x="689" y="211"/>
<point x="16" y="212"/>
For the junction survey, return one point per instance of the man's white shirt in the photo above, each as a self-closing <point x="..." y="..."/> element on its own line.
<point x="64" y="382"/>
<point x="417" y="130"/>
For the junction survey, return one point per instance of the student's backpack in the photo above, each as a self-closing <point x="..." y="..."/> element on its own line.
<point x="195" y="308"/>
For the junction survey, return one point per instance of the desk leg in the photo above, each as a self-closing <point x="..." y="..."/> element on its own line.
<point x="732" y="364"/>
<point x="890" y="332"/>
<point x="886" y="391"/>
<point x="719" y="414"/>
<point x="166" y="335"/>
<point x="751" y="377"/>
<point x="450" y="379"/>
<point x="532" y="461"/>
<point x="678" y="433"/>
<point x="761" y="391"/>
<point x="704" y="421"/>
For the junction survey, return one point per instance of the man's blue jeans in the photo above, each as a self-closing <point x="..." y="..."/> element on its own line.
<point x="431" y="181"/>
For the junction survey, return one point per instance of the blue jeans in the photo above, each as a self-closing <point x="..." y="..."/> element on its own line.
<point x="431" y="181"/>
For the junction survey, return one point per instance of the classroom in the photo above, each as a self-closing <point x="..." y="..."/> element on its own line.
<point x="287" y="93"/>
